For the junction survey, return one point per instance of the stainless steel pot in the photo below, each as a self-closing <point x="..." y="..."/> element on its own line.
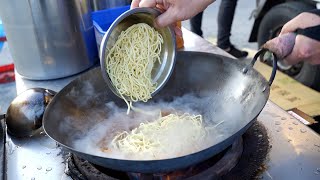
<point x="49" y="39"/>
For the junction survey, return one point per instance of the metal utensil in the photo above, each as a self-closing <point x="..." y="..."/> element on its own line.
<point x="24" y="115"/>
<point x="161" y="72"/>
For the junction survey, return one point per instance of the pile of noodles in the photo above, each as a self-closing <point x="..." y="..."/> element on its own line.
<point x="130" y="61"/>
<point x="171" y="134"/>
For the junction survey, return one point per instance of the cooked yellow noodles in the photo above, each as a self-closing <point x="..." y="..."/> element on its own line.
<point x="130" y="61"/>
<point x="171" y="133"/>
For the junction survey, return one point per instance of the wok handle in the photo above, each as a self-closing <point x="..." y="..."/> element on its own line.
<point x="261" y="53"/>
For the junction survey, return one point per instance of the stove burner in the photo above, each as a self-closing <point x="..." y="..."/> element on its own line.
<point x="242" y="160"/>
<point x="79" y="169"/>
<point x="255" y="151"/>
<point x="212" y="168"/>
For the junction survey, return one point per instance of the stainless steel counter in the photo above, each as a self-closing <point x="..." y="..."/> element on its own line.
<point x="295" y="151"/>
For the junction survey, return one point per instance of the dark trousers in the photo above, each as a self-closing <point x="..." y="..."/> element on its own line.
<point x="196" y="23"/>
<point x="225" y="18"/>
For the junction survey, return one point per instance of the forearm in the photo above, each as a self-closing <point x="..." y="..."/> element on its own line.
<point x="210" y="1"/>
<point x="174" y="10"/>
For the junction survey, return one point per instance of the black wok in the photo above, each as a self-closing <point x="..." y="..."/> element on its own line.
<point x="81" y="105"/>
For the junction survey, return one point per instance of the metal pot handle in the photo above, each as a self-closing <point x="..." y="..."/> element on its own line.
<point x="260" y="53"/>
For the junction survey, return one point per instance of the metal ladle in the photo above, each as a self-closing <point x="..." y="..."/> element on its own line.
<point x="24" y="115"/>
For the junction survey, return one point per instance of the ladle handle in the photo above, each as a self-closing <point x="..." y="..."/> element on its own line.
<point x="260" y="53"/>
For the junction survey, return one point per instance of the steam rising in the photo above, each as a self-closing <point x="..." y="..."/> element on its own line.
<point x="218" y="119"/>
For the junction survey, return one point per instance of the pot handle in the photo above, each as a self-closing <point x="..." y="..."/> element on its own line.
<point x="261" y="53"/>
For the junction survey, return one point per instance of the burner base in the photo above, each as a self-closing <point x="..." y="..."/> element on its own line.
<point x="243" y="160"/>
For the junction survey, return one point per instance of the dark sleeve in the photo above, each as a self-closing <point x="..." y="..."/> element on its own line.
<point x="311" y="32"/>
<point x="315" y="11"/>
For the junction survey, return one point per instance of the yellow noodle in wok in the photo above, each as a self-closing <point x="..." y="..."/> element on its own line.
<point x="130" y="61"/>
<point x="171" y="133"/>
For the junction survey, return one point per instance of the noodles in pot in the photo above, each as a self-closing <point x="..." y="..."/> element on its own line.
<point x="130" y="61"/>
<point x="169" y="134"/>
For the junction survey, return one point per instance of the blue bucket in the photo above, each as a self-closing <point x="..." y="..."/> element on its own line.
<point x="103" y="19"/>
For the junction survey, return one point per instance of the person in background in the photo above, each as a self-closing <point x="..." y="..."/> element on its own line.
<point x="225" y="18"/>
<point x="196" y="24"/>
<point x="307" y="42"/>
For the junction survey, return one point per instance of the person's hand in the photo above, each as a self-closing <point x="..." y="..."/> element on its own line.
<point x="174" y="10"/>
<point x="305" y="48"/>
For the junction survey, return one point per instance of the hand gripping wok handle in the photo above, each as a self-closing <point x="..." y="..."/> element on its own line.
<point x="279" y="48"/>
<point x="262" y="52"/>
<point x="282" y="45"/>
